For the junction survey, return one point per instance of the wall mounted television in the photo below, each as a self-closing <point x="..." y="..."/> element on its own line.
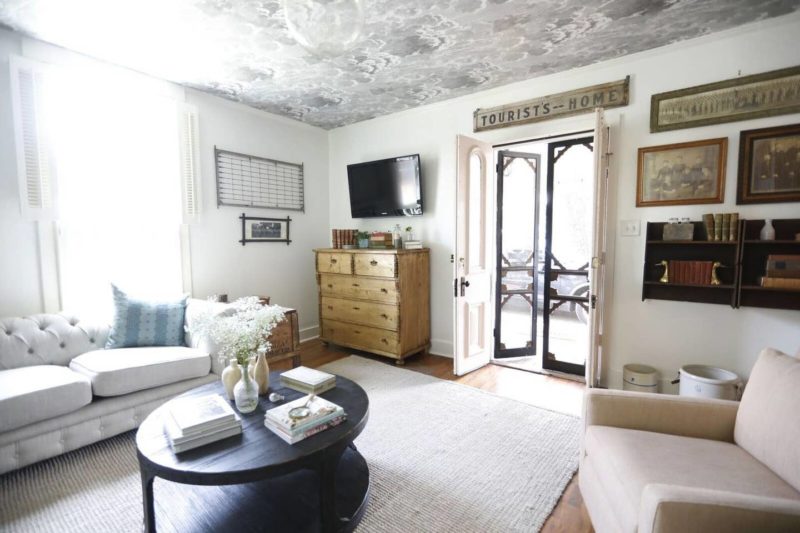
<point x="386" y="188"/>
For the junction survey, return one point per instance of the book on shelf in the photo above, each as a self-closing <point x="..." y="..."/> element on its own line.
<point x="708" y="223"/>
<point x="308" y="380"/>
<point x="782" y="273"/>
<point x="180" y="442"/>
<point x="734" y="233"/>
<point x="197" y="415"/>
<point x="718" y="227"/>
<point x="690" y="272"/>
<point x="781" y="283"/>
<point x="297" y="436"/>
<point x="726" y="226"/>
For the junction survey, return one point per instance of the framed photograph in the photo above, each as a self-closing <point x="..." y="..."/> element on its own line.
<point x="257" y="229"/>
<point x="682" y="174"/>
<point x="744" y="98"/>
<point x="769" y="165"/>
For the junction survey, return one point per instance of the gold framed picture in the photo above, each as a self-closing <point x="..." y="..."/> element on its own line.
<point x="682" y="174"/>
<point x="769" y="165"/>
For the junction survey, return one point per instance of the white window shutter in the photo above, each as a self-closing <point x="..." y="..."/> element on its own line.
<point x="35" y="165"/>
<point x="189" y="161"/>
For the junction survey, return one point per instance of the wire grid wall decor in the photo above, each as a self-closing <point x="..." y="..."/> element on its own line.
<point x="250" y="181"/>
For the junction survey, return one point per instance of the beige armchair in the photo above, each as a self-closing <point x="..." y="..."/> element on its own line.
<point x="659" y="463"/>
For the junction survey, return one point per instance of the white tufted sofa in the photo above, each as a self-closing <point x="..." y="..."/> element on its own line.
<point x="61" y="390"/>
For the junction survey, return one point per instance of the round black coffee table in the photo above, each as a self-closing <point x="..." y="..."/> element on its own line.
<point x="255" y="481"/>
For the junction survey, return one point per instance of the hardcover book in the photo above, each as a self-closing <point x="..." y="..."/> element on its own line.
<point x="194" y="415"/>
<point x="319" y="409"/>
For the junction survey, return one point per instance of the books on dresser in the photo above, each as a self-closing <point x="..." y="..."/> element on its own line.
<point x="321" y="415"/>
<point x="308" y="380"/>
<point x="194" y="422"/>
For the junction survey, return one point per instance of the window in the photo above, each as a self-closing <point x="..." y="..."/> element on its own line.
<point x="125" y="171"/>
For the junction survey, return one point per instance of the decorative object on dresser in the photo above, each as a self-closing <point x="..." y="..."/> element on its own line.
<point x="343" y="238"/>
<point x="375" y="300"/>
<point x="381" y="239"/>
<point x="682" y="173"/>
<point x="259" y="229"/>
<point x="769" y="165"/>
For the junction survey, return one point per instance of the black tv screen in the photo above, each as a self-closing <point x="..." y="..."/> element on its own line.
<point x="385" y="188"/>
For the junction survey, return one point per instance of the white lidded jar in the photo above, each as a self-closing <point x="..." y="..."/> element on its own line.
<point x="701" y="381"/>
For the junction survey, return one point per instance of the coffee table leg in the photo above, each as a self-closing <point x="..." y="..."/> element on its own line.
<point x="330" y="518"/>
<point x="147" y="502"/>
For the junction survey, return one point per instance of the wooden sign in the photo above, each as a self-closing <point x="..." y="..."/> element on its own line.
<point x="614" y="94"/>
<point x="760" y="95"/>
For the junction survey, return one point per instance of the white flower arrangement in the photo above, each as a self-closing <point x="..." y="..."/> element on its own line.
<point x="240" y="331"/>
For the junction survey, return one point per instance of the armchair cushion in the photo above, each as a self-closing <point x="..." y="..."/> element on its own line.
<point x="126" y="370"/>
<point x="627" y="461"/>
<point x="667" y="508"/>
<point x="767" y="425"/>
<point x="34" y="393"/>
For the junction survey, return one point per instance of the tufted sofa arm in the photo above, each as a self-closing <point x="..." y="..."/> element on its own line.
<point x="47" y="339"/>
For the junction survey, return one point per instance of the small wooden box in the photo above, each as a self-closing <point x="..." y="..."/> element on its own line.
<point x="678" y="232"/>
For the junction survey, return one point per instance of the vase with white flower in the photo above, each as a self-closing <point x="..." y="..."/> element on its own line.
<point x="240" y="332"/>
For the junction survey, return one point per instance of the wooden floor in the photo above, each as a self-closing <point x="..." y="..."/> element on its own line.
<point x="544" y="391"/>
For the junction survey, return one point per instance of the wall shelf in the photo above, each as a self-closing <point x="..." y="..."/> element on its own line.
<point x="744" y="263"/>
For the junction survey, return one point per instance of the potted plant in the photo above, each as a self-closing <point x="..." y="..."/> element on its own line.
<point x="240" y="332"/>
<point x="363" y="239"/>
<point x="409" y="233"/>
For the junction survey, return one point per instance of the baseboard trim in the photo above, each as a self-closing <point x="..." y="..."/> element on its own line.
<point x="308" y="333"/>
<point x="441" y="347"/>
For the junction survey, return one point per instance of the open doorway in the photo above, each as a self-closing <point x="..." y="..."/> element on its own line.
<point x="544" y="250"/>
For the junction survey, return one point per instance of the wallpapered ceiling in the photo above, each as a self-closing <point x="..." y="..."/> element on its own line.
<point x="414" y="52"/>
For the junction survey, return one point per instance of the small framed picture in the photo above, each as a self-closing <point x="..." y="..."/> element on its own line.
<point x="769" y="165"/>
<point x="682" y="174"/>
<point x="256" y="229"/>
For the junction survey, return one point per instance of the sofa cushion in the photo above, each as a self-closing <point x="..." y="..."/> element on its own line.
<point x="35" y="393"/>
<point x="767" y="424"/>
<point x="627" y="460"/>
<point x="125" y="370"/>
<point x="146" y="323"/>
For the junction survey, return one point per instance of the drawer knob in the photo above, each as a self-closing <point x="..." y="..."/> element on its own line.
<point x="384" y="341"/>
<point x="333" y="260"/>
<point x="356" y="308"/>
<point x="330" y="307"/>
<point x="330" y="285"/>
<point x="373" y="263"/>
<point x="357" y="332"/>
<point x="356" y="285"/>
<point x="384" y="315"/>
<point x="384" y="291"/>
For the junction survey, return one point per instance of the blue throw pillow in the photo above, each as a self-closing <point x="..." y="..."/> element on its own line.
<point x="146" y="323"/>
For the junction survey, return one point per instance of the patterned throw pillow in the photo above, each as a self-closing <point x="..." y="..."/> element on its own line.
<point x="146" y="323"/>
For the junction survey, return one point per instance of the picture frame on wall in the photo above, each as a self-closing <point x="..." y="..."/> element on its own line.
<point x="769" y="165"/>
<point x="682" y="173"/>
<point x="258" y="229"/>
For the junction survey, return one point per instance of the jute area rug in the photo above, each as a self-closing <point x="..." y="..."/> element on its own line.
<point x="443" y="457"/>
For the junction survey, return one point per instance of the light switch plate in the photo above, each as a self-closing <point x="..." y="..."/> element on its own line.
<point x="629" y="228"/>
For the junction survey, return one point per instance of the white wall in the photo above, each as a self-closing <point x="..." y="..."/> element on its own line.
<point x="661" y="333"/>
<point x="220" y="264"/>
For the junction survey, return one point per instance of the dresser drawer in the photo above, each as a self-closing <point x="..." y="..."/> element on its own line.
<point x="380" y="290"/>
<point x="360" y="336"/>
<point x="368" y="313"/>
<point x="335" y="263"/>
<point x="381" y="265"/>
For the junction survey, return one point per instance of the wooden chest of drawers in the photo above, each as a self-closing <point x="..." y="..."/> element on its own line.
<point x="375" y="300"/>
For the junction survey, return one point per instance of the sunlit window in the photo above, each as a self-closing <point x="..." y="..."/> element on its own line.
<point x="116" y="152"/>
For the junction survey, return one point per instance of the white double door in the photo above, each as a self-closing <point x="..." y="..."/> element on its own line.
<point x="475" y="268"/>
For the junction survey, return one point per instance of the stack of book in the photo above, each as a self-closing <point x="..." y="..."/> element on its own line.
<point x="320" y="414"/>
<point x="783" y="272"/>
<point x="412" y="245"/>
<point x="193" y="422"/>
<point x="308" y="380"/>
<point x="690" y="272"/>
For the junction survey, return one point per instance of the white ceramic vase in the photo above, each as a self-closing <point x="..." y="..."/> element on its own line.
<point x="768" y="231"/>
<point x="245" y="393"/>
<point x="230" y="376"/>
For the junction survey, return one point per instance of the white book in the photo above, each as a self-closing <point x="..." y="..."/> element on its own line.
<point x="194" y="415"/>
<point x="292" y="439"/>
<point x="180" y="444"/>
<point x="308" y="376"/>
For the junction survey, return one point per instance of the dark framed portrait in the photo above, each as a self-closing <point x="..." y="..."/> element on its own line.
<point x="257" y="229"/>
<point x="769" y="165"/>
<point x="682" y="174"/>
